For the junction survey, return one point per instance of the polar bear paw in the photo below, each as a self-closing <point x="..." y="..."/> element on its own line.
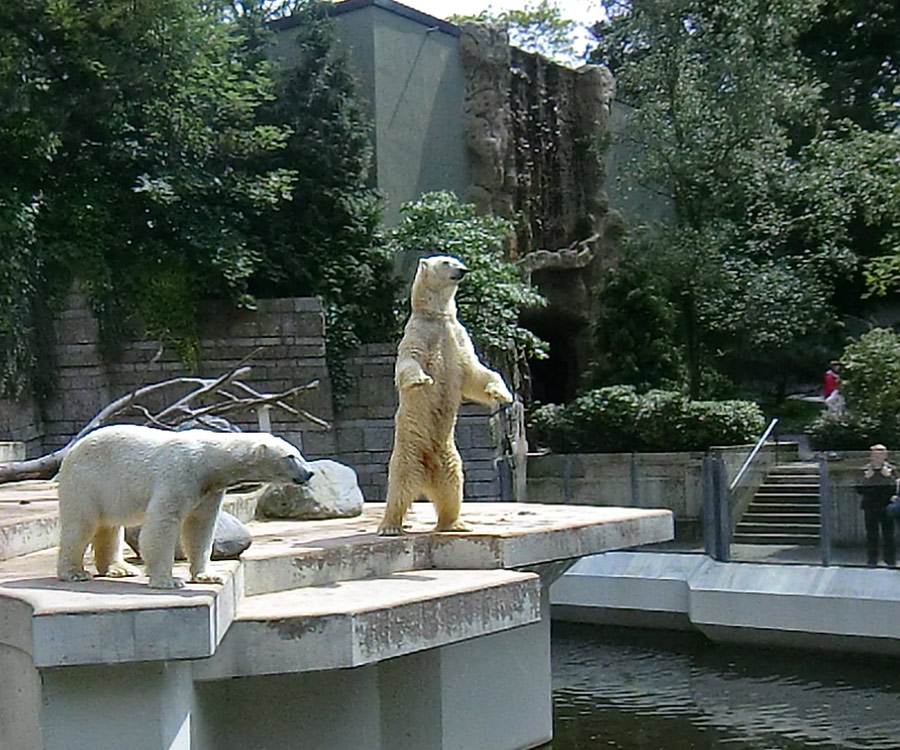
<point x="168" y="582"/>
<point x="456" y="525"/>
<point x="499" y="392"/>
<point x="75" y="575"/>
<point x="390" y="529"/>
<point x="418" y="380"/>
<point x="120" y="569"/>
<point x="206" y="578"/>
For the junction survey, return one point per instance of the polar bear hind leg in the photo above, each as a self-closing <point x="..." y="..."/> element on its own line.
<point x="74" y="537"/>
<point x="107" y="546"/>
<point x="446" y="491"/>
<point x="406" y="482"/>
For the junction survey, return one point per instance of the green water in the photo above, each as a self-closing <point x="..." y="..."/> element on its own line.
<point x="659" y="690"/>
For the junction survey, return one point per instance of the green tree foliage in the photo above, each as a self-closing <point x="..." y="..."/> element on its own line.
<point x="155" y="154"/>
<point x="131" y="161"/>
<point x="618" y="418"/>
<point x="327" y="242"/>
<point x="773" y="202"/>
<point x="853" y="47"/>
<point x="870" y="383"/>
<point x="493" y="294"/>
<point x="538" y="27"/>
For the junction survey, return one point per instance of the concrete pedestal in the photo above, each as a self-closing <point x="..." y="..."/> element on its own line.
<point x="326" y="637"/>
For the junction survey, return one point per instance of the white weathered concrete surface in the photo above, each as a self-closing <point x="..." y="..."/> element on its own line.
<point x="432" y="637"/>
<point x="352" y="623"/>
<point x="786" y="605"/>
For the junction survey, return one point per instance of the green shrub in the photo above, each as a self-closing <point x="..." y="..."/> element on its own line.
<point x="618" y="418"/>
<point x="870" y="383"/>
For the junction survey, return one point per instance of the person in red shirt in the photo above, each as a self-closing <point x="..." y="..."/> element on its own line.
<point x="832" y="380"/>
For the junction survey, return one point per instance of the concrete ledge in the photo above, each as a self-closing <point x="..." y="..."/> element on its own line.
<point x="779" y="605"/>
<point x="352" y="623"/>
<point x="107" y="621"/>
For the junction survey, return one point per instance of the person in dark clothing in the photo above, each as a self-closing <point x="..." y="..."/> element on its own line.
<point x="878" y="487"/>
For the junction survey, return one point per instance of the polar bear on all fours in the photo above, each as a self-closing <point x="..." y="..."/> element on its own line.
<point x="437" y="368"/>
<point x="171" y="482"/>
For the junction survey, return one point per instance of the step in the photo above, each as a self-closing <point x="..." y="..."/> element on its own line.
<point x="812" y="480"/>
<point x="787" y="489"/>
<point x="788" y="497"/>
<point x="780" y="528"/>
<point x="353" y="623"/>
<point x="775" y="518"/>
<point x="780" y="539"/>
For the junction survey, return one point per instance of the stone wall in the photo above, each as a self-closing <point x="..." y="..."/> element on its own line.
<point x="290" y="334"/>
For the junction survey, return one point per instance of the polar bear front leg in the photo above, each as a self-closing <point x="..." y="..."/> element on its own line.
<point x="411" y="375"/>
<point x="158" y="536"/>
<point x="197" y="533"/>
<point x="107" y="545"/>
<point x="74" y="536"/>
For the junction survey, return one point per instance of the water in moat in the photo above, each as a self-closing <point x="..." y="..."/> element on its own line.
<point x="662" y="690"/>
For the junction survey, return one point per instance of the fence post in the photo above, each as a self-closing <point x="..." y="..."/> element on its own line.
<point x="825" y="520"/>
<point x="716" y="508"/>
<point x="635" y="501"/>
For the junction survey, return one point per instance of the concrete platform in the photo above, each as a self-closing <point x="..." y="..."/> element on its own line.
<point x="432" y="614"/>
<point x="795" y="606"/>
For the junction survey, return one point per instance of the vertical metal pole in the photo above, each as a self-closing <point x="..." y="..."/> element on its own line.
<point x="635" y="499"/>
<point x="708" y="500"/>
<point x="825" y="520"/>
<point x="722" y="506"/>
<point x="567" y="479"/>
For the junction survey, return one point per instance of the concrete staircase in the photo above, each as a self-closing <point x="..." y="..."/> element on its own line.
<point x="785" y="509"/>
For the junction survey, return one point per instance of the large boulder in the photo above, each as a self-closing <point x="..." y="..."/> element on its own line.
<point x="333" y="492"/>
<point x="230" y="538"/>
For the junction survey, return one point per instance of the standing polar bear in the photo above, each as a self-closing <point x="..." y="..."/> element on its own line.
<point x="436" y="369"/>
<point x="171" y="482"/>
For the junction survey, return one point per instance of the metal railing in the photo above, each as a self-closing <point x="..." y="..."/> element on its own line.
<point x="717" y="498"/>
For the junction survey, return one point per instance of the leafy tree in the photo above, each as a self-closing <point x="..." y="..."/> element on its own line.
<point x="773" y="203"/>
<point x="132" y="154"/>
<point x="327" y="241"/>
<point x="853" y="47"/>
<point x="493" y="294"/>
<point x="870" y="383"/>
<point x="538" y="27"/>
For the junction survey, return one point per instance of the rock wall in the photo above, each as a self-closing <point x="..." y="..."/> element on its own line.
<point x="536" y="134"/>
<point x="290" y="334"/>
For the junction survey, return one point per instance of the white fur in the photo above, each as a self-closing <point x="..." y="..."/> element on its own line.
<point x="436" y="369"/>
<point x="170" y="482"/>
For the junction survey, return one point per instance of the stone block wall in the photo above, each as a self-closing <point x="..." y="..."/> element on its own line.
<point x="288" y="332"/>
<point x="290" y="336"/>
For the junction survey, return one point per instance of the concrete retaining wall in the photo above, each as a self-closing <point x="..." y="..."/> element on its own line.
<point x="644" y="480"/>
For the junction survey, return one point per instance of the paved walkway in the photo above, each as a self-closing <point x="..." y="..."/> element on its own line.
<point x="787" y="554"/>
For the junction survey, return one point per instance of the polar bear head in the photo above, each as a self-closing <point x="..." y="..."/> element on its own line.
<point x="435" y="284"/>
<point x="276" y="460"/>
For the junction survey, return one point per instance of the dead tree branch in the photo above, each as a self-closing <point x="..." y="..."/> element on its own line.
<point x="191" y="406"/>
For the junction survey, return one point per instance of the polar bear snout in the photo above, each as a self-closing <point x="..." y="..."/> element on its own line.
<point x="298" y="471"/>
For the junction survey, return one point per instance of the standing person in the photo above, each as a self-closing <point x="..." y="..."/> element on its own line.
<point x="878" y="485"/>
<point x="831" y="388"/>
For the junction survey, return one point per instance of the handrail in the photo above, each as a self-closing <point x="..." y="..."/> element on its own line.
<point x="749" y="460"/>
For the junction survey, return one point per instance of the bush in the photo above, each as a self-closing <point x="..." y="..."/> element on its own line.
<point x="619" y="419"/>
<point x="870" y="383"/>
